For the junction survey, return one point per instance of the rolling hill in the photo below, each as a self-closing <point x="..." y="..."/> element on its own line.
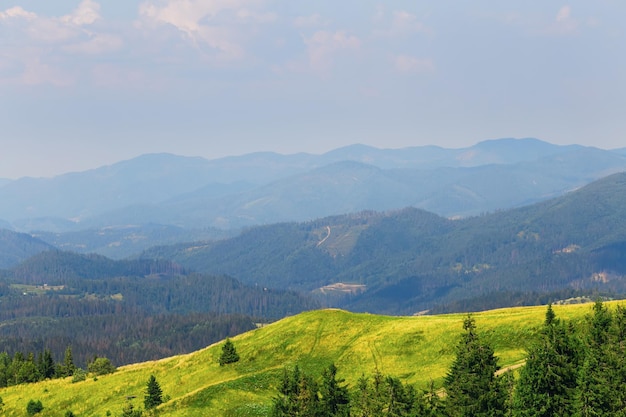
<point x="415" y="349"/>
<point x="15" y="247"/>
<point x="405" y="261"/>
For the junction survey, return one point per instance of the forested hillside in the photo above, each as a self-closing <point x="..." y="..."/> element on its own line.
<point x="128" y="311"/>
<point x="411" y="260"/>
<point x="16" y="247"/>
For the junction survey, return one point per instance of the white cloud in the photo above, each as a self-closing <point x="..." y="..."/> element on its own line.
<point x="17" y="12"/>
<point x="87" y="12"/>
<point x="410" y="64"/>
<point x="564" y="23"/>
<point x="219" y="24"/>
<point x="324" y="45"/>
<point x="39" y="43"/>
<point x="53" y="29"/>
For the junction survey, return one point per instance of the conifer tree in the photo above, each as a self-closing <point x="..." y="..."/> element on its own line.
<point x="471" y="385"/>
<point x="154" y="394"/>
<point x="547" y="381"/>
<point x="369" y="397"/>
<point x="601" y="378"/>
<point x="46" y="365"/>
<point x="298" y="396"/>
<point x="428" y="404"/>
<point x="68" y="367"/>
<point x="229" y="353"/>
<point x="335" y="399"/>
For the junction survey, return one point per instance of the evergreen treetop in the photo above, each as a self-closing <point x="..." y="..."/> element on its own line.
<point x="229" y="353"/>
<point x="154" y="394"/>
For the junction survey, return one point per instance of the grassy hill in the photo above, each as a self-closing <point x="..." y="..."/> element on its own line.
<point x="416" y="349"/>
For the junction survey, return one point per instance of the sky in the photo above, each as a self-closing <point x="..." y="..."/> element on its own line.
<point x="89" y="83"/>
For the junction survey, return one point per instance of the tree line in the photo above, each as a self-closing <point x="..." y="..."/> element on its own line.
<point x="24" y="368"/>
<point x="570" y="371"/>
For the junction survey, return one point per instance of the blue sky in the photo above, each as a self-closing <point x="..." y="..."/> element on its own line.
<point x="88" y="83"/>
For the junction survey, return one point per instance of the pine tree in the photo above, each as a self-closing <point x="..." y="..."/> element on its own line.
<point x="46" y="365"/>
<point x="68" y="367"/>
<point x="229" y="353"/>
<point x="471" y="385"/>
<point x="601" y="378"/>
<point x="335" y="399"/>
<point x="547" y="382"/>
<point x="428" y="404"/>
<point x="154" y="394"/>
<point x="369" y="398"/>
<point x="298" y="396"/>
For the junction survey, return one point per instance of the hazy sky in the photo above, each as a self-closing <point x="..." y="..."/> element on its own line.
<point x="89" y="83"/>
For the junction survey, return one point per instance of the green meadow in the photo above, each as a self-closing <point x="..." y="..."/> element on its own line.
<point x="416" y="349"/>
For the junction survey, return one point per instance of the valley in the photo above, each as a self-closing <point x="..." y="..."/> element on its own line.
<point x="343" y="264"/>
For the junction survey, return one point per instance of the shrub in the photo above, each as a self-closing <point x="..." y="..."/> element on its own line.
<point x="101" y="366"/>
<point x="79" y="375"/>
<point x="34" y="407"/>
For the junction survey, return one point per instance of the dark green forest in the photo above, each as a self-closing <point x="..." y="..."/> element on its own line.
<point x="572" y="369"/>
<point x="128" y="311"/>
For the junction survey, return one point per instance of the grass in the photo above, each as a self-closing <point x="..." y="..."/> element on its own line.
<point x="416" y="349"/>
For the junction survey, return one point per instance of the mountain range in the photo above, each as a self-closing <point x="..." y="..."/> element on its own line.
<point x="411" y="260"/>
<point x="158" y="199"/>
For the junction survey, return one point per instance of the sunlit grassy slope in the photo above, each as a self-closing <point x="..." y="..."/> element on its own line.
<point x="416" y="349"/>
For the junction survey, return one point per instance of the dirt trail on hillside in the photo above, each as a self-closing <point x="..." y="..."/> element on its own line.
<point x="327" y="236"/>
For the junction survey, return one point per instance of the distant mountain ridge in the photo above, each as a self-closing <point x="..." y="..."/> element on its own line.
<point x="193" y="198"/>
<point x="154" y="178"/>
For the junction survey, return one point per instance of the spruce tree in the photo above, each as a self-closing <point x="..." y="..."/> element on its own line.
<point x="68" y="367"/>
<point x="335" y="399"/>
<point x="601" y="377"/>
<point x="472" y="387"/>
<point x="229" y="353"/>
<point x="154" y="394"/>
<point x="46" y="365"/>
<point x="547" y="382"/>
<point x="298" y="396"/>
<point x="369" y="398"/>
